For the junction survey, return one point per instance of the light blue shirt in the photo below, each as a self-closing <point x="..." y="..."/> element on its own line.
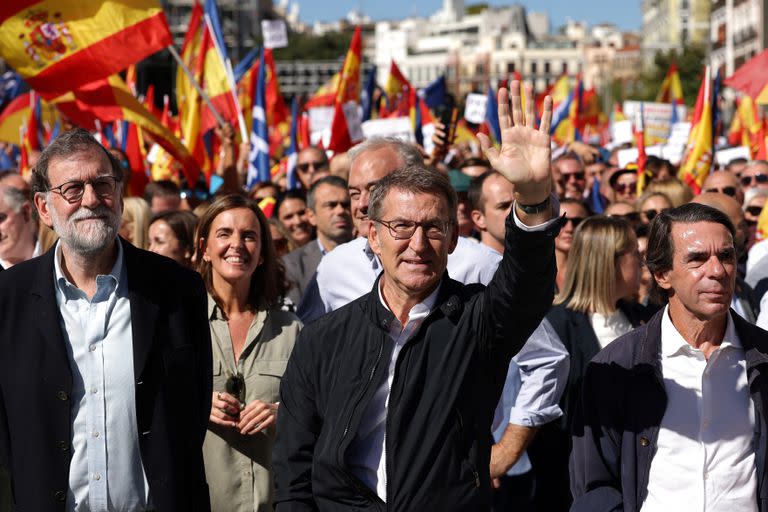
<point x="106" y="473"/>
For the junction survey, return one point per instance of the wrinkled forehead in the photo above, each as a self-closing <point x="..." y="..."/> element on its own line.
<point x="418" y="206"/>
<point x="700" y="237"/>
<point x="79" y="165"/>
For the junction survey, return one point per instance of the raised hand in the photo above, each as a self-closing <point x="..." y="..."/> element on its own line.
<point x="525" y="153"/>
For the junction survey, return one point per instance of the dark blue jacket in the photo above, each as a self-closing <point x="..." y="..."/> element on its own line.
<point x="623" y="402"/>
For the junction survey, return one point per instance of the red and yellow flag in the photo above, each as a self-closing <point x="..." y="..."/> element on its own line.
<point x="671" y="89"/>
<point x="345" y="127"/>
<point x="697" y="158"/>
<point x="325" y="95"/>
<point x="60" y="46"/>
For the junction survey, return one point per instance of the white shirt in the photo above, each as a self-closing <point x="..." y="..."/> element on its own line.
<point x="105" y="473"/>
<point x="609" y="327"/>
<point x="704" y="459"/>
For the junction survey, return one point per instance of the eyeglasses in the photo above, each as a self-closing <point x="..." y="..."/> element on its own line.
<point x="404" y="229"/>
<point x="235" y="386"/>
<point x="304" y="167"/>
<point x="651" y="213"/>
<point x="578" y="175"/>
<point x="757" y="178"/>
<point x="629" y="217"/>
<point x="729" y="191"/>
<point x="754" y="210"/>
<point x="575" y="221"/>
<point x="623" y="188"/>
<point x="72" y="191"/>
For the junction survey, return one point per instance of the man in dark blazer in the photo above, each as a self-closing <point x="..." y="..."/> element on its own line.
<point x="105" y="355"/>
<point x="673" y="414"/>
<point x="330" y="213"/>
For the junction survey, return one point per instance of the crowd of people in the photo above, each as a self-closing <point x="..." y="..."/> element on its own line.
<point x="511" y="327"/>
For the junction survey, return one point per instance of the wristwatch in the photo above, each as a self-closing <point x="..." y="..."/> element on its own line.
<point x="531" y="209"/>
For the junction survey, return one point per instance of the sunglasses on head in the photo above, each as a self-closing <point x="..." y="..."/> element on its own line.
<point x="629" y="217"/>
<point x="235" y="386"/>
<point x="651" y="213"/>
<point x="623" y="188"/>
<point x="754" y="210"/>
<point x="575" y="221"/>
<point x="757" y="178"/>
<point x="729" y="191"/>
<point x="304" y="167"/>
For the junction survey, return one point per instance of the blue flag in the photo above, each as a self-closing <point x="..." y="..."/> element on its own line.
<point x="366" y="95"/>
<point x="492" y="115"/>
<point x="245" y="64"/>
<point x="212" y="15"/>
<point x="258" y="159"/>
<point x="434" y="93"/>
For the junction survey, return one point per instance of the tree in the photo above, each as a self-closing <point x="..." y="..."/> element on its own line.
<point x="690" y="65"/>
<point x="329" y="46"/>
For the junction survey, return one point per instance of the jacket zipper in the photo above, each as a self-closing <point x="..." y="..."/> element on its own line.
<point x="362" y="489"/>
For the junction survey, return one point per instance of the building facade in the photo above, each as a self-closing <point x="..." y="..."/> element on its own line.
<point x="672" y="24"/>
<point x="737" y="33"/>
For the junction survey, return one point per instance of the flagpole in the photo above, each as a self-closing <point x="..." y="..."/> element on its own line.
<point x="220" y="120"/>
<point x="230" y="78"/>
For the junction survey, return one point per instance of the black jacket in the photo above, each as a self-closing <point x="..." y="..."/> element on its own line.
<point x="624" y="401"/>
<point x="172" y="367"/>
<point x="447" y="383"/>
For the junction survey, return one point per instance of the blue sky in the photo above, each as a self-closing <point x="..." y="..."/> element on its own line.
<point x="625" y="14"/>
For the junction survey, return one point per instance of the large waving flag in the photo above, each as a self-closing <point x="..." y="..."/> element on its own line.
<point x="258" y="160"/>
<point x="434" y="93"/>
<point x="345" y="127"/>
<point x="671" y="89"/>
<point x="697" y="159"/>
<point x="744" y="128"/>
<point x="325" y="95"/>
<point x="60" y="46"/>
<point x="17" y="112"/>
<point x="397" y="88"/>
<point x="110" y="100"/>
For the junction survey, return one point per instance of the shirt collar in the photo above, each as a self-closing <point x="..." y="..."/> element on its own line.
<point x="672" y="342"/>
<point x="320" y="245"/>
<point x="421" y="309"/>
<point x="114" y="279"/>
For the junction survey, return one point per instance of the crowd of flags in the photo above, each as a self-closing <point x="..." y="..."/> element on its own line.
<point x="78" y="64"/>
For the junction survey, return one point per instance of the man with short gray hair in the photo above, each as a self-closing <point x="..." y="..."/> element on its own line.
<point x="388" y="401"/>
<point x="105" y="355"/>
<point x="18" y="228"/>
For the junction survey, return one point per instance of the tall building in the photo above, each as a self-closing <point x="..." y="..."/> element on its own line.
<point x="672" y="24"/>
<point x="738" y="31"/>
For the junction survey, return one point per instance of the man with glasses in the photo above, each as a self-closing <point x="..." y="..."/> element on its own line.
<point x="387" y="402"/>
<point x="105" y="355"/>
<point x="572" y="175"/>
<point x="755" y="174"/>
<point x="311" y="165"/>
<point x="724" y="182"/>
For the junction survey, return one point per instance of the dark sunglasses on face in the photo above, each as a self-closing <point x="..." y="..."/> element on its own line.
<point x="629" y="217"/>
<point x="575" y="221"/>
<point x="623" y="188"/>
<point x="578" y="175"/>
<point x="651" y="213"/>
<point x="754" y="210"/>
<point x="729" y="191"/>
<point x="757" y="178"/>
<point x="304" y="167"/>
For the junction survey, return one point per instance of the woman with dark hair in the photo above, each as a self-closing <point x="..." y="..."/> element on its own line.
<point x="252" y="340"/>
<point x="172" y="234"/>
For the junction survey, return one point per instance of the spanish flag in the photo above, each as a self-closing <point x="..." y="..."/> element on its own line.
<point x="17" y="112"/>
<point x="345" y="127"/>
<point x="397" y="89"/>
<point x="60" y="46"/>
<point x="671" y="90"/>
<point x="697" y="158"/>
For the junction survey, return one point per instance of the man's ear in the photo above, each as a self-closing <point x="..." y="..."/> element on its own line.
<point x="311" y="217"/>
<point x="373" y="239"/>
<point x="478" y="219"/>
<point x="26" y="211"/>
<point x="662" y="279"/>
<point x="42" y="209"/>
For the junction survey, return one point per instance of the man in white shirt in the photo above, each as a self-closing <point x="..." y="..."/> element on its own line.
<point x="674" y="414"/>
<point x="18" y="227"/>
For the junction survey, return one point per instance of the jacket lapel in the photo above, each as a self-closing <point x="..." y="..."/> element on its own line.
<point x="144" y="312"/>
<point x="49" y="323"/>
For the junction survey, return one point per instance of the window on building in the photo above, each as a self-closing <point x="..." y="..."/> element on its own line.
<point x="510" y="67"/>
<point x="533" y="68"/>
<point x="546" y="67"/>
<point x="565" y="68"/>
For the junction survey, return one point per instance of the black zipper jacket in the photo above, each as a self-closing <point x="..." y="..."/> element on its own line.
<point x="447" y="382"/>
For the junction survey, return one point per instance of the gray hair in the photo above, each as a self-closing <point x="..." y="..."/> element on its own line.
<point x="67" y="144"/>
<point x="751" y="194"/>
<point x="13" y="197"/>
<point x="417" y="179"/>
<point x="408" y="153"/>
<point x="333" y="181"/>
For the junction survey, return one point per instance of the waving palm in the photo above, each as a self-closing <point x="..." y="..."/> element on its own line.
<point x="525" y="153"/>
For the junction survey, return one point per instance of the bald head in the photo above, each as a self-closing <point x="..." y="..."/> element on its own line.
<point x="732" y="209"/>
<point x="724" y="182"/>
